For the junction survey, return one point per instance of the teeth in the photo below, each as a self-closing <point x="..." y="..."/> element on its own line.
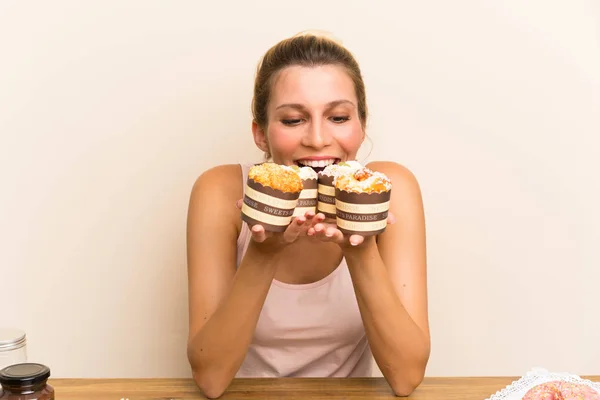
<point x="317" y="164"/>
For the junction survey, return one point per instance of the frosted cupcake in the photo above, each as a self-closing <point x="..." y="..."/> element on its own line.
<point x="362" y="201"/>
<point x="271" y="195"/>
<point x="326" y="188"/>
<point x="308" y="196"/>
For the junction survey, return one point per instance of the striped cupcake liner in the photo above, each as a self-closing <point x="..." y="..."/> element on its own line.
<point x="362" y="213"/>
<point x="271" y="208"/>
<point x="308" y="198"/>
<point x="326" y="196"/>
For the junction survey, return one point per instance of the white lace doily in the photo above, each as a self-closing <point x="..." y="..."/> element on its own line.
<point x="517" y="389"/>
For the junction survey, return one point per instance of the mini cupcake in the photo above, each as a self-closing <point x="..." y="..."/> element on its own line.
<point x="308" y="196"/>
<point x="362" y="201"/>
<point x="326" y="188"/>
<point x="271" y="195"/>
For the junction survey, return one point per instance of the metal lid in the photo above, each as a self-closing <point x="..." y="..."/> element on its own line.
<point x="24" y="374"/>
<point x="11" y="339"/>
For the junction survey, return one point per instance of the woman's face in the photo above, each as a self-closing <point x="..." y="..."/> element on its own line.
<point x="312" y="117"/>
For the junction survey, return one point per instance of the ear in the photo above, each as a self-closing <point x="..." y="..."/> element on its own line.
<point x="260" y="137"/>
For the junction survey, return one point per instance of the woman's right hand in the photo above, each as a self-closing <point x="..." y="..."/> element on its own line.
<point x="275" y="241"/>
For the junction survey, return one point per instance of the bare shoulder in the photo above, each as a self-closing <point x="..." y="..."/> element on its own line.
<point x="221" y="178"/>
<point x="215" y="192"/>
<point x="406" y="205"/>
<point x="404" y="182"/>
<point x="220" y="183"/>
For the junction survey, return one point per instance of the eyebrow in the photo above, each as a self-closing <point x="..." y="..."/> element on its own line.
<point x="329" y="105"/>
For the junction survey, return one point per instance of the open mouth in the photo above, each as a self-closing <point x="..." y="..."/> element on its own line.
<point x="317" y="165"/>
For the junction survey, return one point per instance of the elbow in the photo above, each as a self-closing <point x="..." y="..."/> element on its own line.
<point x="405" y="387"/>
<point x="405" y="383"/>
<point x="211" y="381"/>
<point x="211" y="391"/>
<point x="211" y="385"/>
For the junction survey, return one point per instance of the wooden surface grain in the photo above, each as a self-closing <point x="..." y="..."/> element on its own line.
<point x="281" y="388"/>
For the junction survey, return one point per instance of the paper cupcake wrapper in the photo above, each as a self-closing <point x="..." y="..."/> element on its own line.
<point x="308" y="198"/>
<point x="362" y="213"/>
<point x="326" y="196"/>
<point x="273" y="209"/>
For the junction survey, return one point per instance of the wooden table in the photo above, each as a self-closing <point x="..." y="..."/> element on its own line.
<point x="282" y="388"/>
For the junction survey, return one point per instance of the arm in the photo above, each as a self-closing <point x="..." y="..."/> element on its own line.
<point x="224" y="304"/>
<point x="390" y="281"/>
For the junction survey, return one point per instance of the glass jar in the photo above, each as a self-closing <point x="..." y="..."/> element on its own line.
<point x="13" y="348"/>
<point x="26" y="381"/>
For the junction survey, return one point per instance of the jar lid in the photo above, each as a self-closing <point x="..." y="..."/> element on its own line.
<point x="10" y="338"/>
<point x="24" y="374"/>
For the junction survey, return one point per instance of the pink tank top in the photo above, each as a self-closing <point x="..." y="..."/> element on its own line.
<point x="307" y="330"/>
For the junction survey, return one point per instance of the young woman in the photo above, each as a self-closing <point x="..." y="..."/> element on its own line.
<point x="310" y="301"/>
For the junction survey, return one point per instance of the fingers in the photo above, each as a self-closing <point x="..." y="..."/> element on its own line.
<point x="320" y="230"/>
<point x="356" y="240"/>
<point x="293" y="230"/>
<point x="239" y="203"/>
<point x="391" y="219"/>
<point x="328" y="233"/>
<point x="310" y="224"/>
<point x="317" y="219"/>
<point x="258" y="233"/>
<point x="299" y="225"/>
<point x="320" y="217"/>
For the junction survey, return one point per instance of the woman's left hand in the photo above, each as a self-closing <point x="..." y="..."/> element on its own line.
<point x="327" y="231"/>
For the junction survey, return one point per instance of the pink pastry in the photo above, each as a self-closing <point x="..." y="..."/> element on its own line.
<point x="557" y="390"/>
<point x="572" y="391"/>
<point x="544" y="391"/>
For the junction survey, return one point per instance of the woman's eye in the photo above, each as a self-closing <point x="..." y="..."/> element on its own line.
<point x="291" y="121"/>
<point x="340" y="119"/>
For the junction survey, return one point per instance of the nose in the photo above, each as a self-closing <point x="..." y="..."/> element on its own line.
<point x="317" y="135"/>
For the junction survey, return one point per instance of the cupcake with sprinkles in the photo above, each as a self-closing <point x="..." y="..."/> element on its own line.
<point x="362" y="201"/>
<point x="271" y="196"/>
<point x="308" y="196"/>
<point x="326" y="187"/>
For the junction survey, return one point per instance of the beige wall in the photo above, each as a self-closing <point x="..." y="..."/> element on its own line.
<point x="109" y="111"/>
